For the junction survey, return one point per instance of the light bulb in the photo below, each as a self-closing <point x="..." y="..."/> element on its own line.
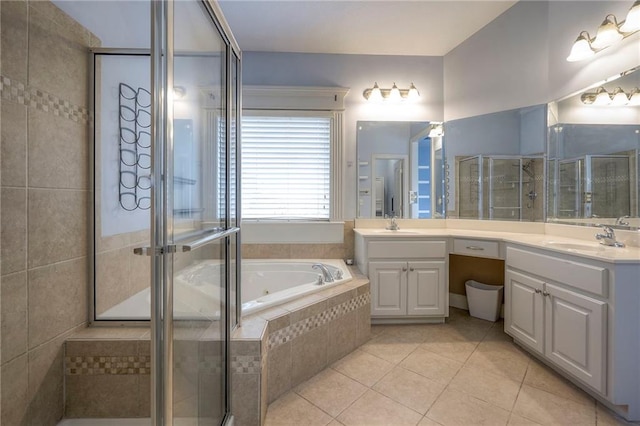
<point x="632" y="22"/>
<point x="602" y="97"/>
<point x="376" y="94"/>
<point x="413" y="92"/>
<point x="619" y="97"/>
<point x="581" y="48"/>
<point x="394" y="95"/>
<point x="607" y="34"/>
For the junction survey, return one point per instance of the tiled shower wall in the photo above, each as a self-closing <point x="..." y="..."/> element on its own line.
<point x="45" y="188"/>
<point x="343" y="250"/>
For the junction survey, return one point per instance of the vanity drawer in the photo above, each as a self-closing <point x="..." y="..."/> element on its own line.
<point x="592" y="279"/>
<point x="406" y="249"/>
<point x="479" y="248"/>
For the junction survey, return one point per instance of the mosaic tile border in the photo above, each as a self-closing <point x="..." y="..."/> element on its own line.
<point x="22" y="94"/>
<point x="292" y="331"/>
<point x="101" y="365"/>
<point x="141" y="365"/>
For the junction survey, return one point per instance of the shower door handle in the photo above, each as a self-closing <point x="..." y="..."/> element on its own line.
<point x="148" y="251"/>
<point x="206" y="239"/>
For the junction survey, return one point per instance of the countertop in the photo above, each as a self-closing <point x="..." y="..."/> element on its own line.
<point x="577" y="247"/>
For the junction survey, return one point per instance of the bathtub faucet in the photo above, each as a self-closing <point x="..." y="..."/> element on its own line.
<point x="326" y="274"/>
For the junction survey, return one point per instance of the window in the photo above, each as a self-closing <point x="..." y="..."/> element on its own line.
<point x="286" y="165"/>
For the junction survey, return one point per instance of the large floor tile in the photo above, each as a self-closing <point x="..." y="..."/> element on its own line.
<point x="512" y="367"/>
<point x="494" y="389"/>
<point x="363" y="367"/>
<point x="546" y="408"/>
<point x="541" y="377"/>
<point x="410" y="389"/>
<point x="431" y="366"/>
<point x="292" y="409"/>
<point x="376" y="409"/>
<point x="456" y="349"/>
<point x="331" y="391"/>
<point x="458" y="408"/>
<point x="390" y="348"/>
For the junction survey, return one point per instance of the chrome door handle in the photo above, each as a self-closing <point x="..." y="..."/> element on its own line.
<point x="203" y="241"/>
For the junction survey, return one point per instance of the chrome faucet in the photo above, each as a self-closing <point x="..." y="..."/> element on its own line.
<point x="621" y="221"/>
<point x="326" y="274"/>
<point x="393" y="225"/>
<point x="609" y="237"/>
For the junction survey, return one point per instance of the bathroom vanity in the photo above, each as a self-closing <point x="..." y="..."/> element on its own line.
<point x="573" y="304"/>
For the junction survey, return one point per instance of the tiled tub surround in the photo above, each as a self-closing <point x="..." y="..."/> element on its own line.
<point x="273" y="351"/>
<point x="45" y="188"/>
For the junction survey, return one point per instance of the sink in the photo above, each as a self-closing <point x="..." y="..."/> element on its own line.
<point x="574" y="246"/>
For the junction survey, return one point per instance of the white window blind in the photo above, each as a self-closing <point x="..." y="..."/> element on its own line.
<point x="286" y="167"/>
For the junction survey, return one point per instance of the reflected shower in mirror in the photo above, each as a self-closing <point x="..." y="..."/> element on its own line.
<point x="400" y="169"/>
<point x="594" y="141"/>
<point x="495" y="165"/>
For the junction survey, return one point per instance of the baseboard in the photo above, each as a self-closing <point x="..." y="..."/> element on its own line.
<point x="458" y="301"/>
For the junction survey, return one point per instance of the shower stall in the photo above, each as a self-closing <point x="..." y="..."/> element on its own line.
<point x="597" y="186"/>
<point x="500" y="187"/>
<point x="165" y="181"/>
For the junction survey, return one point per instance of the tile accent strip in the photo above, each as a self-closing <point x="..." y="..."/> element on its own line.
<point x="126" y="365"/>
<point x="292" y="331"/>
<point x="22" y="94"/>
<point x="101" y="365"/>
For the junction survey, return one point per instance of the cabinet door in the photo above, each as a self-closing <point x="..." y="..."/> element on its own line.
<point x="388" y="288"/>
<point x="576" y="334"/>
<point x="524" y="309"/>
<point x="426" y="287"/>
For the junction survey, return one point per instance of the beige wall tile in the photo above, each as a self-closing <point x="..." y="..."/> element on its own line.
<point x="14" y="144"/>
<point x="57" y="62"/>
<point x="70" y="29"/>
<point x="363" y="325"/>
<point x="46" y="376"/>
<point x="14" y="230"/>
<point x="57" y="299"/>
<point x="246" y="399"/>
<point x="110" y="347"/>
<point x="104" y="395"/>
<point x="278" y="371"/>
<point x="341" y="336"/>
<point x="15" y="394"/>
<point x="307" y="251"/>
<point x="308" y="354"/>
<point x="58" y="152"/>
<point x="112" y="278"/>
<point x="14" y="40"/>
<point x="14" y="315"/>
<point x="57" y="226"/>
<point x="144" y="396"/>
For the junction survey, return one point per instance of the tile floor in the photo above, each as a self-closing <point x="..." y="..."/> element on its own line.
<point x="464" y="372"/>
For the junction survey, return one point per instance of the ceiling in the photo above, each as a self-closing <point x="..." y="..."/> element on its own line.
<point x="373" y="27"/>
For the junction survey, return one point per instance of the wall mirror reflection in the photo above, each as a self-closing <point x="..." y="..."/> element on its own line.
<point x="400" y="169"/>
<point x="594" y="144"/>
<point x="495" y="165"/>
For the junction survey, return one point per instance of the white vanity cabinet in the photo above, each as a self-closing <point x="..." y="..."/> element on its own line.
<point x="558" y="308"/>
<point x="408" y="278"/>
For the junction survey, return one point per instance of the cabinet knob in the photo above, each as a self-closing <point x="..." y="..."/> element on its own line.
<point x="411" y="269"/>
<point x="537" y="290"/>
<point x="404" y="269"/>
<point x="546" y="293"/>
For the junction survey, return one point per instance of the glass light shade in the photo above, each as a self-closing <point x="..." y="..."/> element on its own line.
<point x="394" y="94"/>
<point x="413" y="93"/>
<point x="619" y="97"/>
<point x="581" y="48"/>
<point x="634" y="99"/>
<point x="602" y="97"/>
<point x="632" y="22"/>
<point x="376" y="94"/>
<point x="608" y="33"/>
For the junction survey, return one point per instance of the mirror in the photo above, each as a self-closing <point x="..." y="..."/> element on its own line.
<point x="593" y="150"/>
<point x="400" y="169"/>
<point x="494" y="165"/>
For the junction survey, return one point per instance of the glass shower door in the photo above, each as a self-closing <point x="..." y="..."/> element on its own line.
<point x="192" y="235"/>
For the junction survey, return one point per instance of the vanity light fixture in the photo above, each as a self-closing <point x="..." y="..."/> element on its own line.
<point x="618" y="97"/>
<point x="436" y="130"/>
<point x="394" y="94"/>
<point x="609" y="33"/>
